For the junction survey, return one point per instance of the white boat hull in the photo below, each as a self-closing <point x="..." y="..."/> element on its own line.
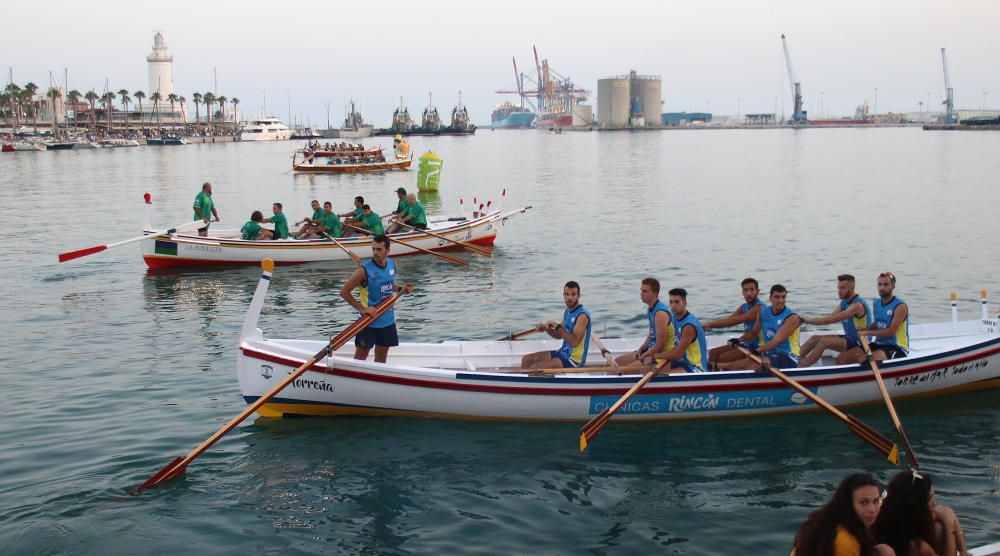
<point x="224" y="247"/>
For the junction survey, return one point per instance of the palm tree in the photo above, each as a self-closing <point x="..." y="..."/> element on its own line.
<point x="125" y="100"/>
<point x="236" y="103"/>
<point x="73" y="97"/>
<point x="197" y="113"/>
<point x="14" y="98"/>
<point x="172" y="99"/>
<point x="53" y="94"/>
<point x="139" y="95"/>
<point x="182" y="101"/>
<point x="28" y="94"/>
<point x="109" y="107"/>
<point x="209" y="99"/>
<point x="222" y="100"/>
<point x="92" y="97"/>
<point x="156" y="98"/>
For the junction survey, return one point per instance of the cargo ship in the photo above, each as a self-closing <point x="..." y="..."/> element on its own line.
<point x="511" y="116"/>
<point x="402" y="124"/>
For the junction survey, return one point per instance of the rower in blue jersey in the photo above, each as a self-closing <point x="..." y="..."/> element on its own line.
<point x="892" y="322"/>
<point x="376" y="280"/>
<point x="745" y="314"/>
<point x="574" y="331"/>
<point x="777" y="326"/>
<point x="660" y="337"/>
<point x="689" y="352"/>
<point x="853" y="313"/>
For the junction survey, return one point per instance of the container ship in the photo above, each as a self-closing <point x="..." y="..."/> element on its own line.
<point x="511" y="116"/>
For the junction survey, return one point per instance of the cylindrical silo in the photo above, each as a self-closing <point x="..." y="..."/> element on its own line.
<point x="650" y="100"/>
<point x="613" y="102"/>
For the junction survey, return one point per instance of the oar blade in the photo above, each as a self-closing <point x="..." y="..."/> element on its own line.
<point x="63" y="257"/>
<point x="583" y="442"/>
<point x="894" y="455"/>
<point x="168" y="472"/>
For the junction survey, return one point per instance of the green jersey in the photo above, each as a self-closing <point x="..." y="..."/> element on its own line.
<point x="359" y="214"/>
<point x="373" y="224"/>
<point x="332" y="224"/>
<point x="318" y="215"/>
<point x="416" y="214"/>
<point x="401" y="207"/>
<point x="280" y="225"/>
<point x="203" y="202"/>
<point x="250" y="230"/>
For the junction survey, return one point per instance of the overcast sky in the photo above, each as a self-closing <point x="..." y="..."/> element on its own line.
<point x="710" y="53"/>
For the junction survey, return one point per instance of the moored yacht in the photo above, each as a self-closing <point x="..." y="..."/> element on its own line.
<point x="266" y="128"/>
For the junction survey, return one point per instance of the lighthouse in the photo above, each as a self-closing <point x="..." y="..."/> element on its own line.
<point x="161" y="75"/>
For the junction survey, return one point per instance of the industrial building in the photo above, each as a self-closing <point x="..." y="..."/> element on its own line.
<point x="629" y="101"/>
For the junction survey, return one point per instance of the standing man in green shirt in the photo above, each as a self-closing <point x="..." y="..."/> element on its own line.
<point x="203" y="207"/>
<point x="279" y="221"/>
<point x="414" y="215"/>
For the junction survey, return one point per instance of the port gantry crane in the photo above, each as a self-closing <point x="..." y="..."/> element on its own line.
<point x="798" y="116"/>
<point x="949" y="101"/>
<point x="551" y="91"/>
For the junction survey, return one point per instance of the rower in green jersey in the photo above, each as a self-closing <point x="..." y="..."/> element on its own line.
<point x="371" y="221"/>
<point x="330" y="222"/>
<point x="279" y="221"/>
<point x="310" y="224"/>
<point x="401" y="206"/>
<point x="252" y="229"/>
<point x="353" y="218"/>
<point x="414" y="215"/>
<point x="204" y="207"/>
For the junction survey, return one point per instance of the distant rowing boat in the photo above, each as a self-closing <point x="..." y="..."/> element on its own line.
<point x="333" y="165"/>
<point x="225" y="247"/>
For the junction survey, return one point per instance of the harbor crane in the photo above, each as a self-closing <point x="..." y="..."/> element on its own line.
<point x="548" y="91"/>
<point x="949" y="101"/>
<point x="799" y="116"/>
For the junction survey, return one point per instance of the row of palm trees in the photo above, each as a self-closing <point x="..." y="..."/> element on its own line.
<point x="20" y="102"/>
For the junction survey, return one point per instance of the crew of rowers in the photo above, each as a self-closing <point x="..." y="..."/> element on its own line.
<point x="323" y="222"/>
<point x="315" y="146"/>
<point x="675" y="341"/>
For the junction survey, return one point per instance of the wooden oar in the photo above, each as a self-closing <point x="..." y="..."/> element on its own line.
<point x="889" y="449"/>
<point x="604" y="369"/>
<point x="605" y="352"/>
<point x="356" y="258"/>
<point x="177" y="467"/>
<point x="63" y="257"/>
<point x="914" y="464"/>
<point x="449" y="258"/>
<point x="521" y="334"/>
<point x="596" y="425"/>
<point x="479" y="250"/>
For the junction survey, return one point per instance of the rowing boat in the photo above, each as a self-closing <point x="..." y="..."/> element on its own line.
<point x="227" y="247"/>
<point x="335" y="165"/>
<point x="480" y="379"/>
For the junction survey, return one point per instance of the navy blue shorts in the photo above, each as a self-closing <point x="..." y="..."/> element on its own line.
<point x="891" y="351"/>
<point x="749" y="346"/>
<point x="851" y="343"/>
<point x="567" y="363"/>
<point x="686" y="366"/>
<point x="782" y="360"/>
<point x="381" y="337"/>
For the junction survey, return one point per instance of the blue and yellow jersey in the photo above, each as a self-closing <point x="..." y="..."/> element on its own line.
<point x="770" y="323"/>
<point x="854" y="323"/>
<point x="379" y="284"/>
<point x="883" y="319"/>
<point x="576" y="354"/>
<point x="748" y="325"/>
<point x="697" y="351"/>
<point x="671" y="327"/>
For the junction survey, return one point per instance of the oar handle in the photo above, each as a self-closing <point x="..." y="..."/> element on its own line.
<point x="521" y="334"/>
<point x="605" y="352"/>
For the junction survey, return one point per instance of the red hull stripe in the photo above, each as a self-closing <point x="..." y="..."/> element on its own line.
<point x="764" y="382"/>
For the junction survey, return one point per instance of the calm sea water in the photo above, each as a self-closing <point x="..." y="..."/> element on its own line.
<point x="111" y="370"/>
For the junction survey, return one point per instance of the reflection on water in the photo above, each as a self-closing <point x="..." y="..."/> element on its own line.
<point x="431" y="201"/>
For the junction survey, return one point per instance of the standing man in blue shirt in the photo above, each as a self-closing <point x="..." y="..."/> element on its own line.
<point x="376" y="280"/>
<point x="853" y="314"/>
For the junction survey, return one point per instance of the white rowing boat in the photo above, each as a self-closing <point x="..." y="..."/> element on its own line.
<point x="225" y="247"/>
<point x="480" y="379"/>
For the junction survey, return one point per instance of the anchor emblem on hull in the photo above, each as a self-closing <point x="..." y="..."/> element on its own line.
<point x="266" y="371"/>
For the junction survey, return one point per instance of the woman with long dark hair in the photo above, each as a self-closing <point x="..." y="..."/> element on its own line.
<point x="841" y="526"/>
<point x="913" y="524"/>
